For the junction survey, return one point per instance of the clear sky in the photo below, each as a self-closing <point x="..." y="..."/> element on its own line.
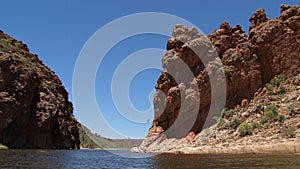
<point x="56" y="30"/>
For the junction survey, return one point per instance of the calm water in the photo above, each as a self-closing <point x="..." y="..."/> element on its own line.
<point x="104" y="159"/>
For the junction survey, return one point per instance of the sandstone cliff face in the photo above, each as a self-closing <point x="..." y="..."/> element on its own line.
<point x="272" y="48"/>
<point x="34" y="107"/>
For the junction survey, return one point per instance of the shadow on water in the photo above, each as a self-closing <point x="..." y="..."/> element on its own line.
<point x="105" y="159"/>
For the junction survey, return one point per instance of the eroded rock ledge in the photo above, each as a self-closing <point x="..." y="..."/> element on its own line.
<point x="272" y="48"/>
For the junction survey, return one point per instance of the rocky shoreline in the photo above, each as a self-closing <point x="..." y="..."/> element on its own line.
<point x="283" y="146"/>
<point x="289" y="147"/>
<point x="3" y="147"/>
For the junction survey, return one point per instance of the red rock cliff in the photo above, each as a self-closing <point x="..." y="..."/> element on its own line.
<point x="272" y="48"/>
<point x="34" y="107"/>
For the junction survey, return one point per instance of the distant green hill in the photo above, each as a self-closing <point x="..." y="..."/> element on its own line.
<point x="85" y="138"/>
<point x="95" y="141"/>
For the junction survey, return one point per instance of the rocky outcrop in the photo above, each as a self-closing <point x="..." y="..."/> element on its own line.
<point x="248" y="63"/>
<point x="34" y="107"/>
<point x="177" y="88"/>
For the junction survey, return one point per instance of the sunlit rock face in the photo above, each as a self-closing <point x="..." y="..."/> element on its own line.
<point x="34" y="107"/>
<point x="184" y="97"/>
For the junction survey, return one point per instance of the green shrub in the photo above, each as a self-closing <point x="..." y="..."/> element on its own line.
<point x="256" y="125"/>
<point x="271" y="114"/>
<point x="289" y="132"/>
<point x="276" y="81"/>
<point x="282" y="90"/>
<point x="245" y="129"/>
<point x="8" y="45"/>
<point x="220" y="122"/>
<point x="235" y="123"/>
<point x="6" y="42"/>
<point x="269" y="86"/>
<point x="228" y="112"/>
<point x="272" y="107"/>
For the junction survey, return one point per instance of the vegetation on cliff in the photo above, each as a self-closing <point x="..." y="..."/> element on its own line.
<point x="273" y="116"/>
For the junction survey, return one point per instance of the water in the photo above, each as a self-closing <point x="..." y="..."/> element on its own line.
<point x="103" y="159"/>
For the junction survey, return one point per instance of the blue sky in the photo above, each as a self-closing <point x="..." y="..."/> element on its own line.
<point x="57" y="30"/>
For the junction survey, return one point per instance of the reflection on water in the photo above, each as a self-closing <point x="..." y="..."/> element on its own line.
<point x="104" y="159"/>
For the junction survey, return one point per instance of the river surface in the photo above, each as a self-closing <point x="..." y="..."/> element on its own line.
<point x="105" y="159"/>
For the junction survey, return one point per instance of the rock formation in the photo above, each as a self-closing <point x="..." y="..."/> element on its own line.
<point x="34" y="107"/>
<point x="272" y="48"/>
